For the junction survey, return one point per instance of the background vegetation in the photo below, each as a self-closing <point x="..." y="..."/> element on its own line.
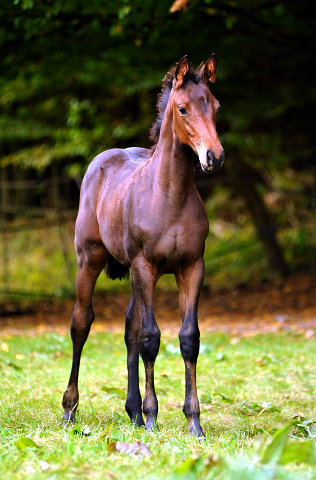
<point x="78" y="78"/>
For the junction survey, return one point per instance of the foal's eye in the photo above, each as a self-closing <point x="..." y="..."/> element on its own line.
<point x="183" y="111"/>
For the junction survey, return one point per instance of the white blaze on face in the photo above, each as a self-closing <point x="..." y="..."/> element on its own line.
<point x="201" y="150"/>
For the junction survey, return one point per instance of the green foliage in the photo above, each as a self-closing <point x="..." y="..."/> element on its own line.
<point x="78" y="77"/>
<point x="282" y="451"/>
<point x="279" y="451"/>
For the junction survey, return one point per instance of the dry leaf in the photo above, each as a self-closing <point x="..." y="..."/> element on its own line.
<point x="137" y="448"/>
<point x="309" y="333"/>
<point x="5" y="347"/>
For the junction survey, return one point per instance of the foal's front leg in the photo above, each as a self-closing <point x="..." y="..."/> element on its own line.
<point x="189" y="280"/>
<point x="144" y="282"/>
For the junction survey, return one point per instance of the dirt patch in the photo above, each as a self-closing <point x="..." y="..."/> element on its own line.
<point x="241" y="311"/>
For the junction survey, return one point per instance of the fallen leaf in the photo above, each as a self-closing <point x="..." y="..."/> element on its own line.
<point x="44" y="465"/>
<point x="114" y="392"/>
<point x="137" y="448"/>
<point x="207" y="407"/>
<point x="11" y="364"/>
<point x="5" y="347"/>
<point x="309" y="333"/>
<point x="224" y="398"/>
<point x="84" y="431"/>
<point x="24" y="442"/>
<point x="220" y="357"/>
<point x="29" y="469"/>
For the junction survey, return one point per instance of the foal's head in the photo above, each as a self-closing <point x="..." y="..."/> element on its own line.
<point x="194" y="111"/>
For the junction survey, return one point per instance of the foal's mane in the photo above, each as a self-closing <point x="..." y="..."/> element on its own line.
<point x="163" y="98"/>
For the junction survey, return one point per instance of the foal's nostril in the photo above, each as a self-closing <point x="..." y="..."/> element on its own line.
<point x="210" y="158"/>
<point x="214" y="163"/>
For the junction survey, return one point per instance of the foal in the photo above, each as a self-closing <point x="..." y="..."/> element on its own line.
<point x="139" y="210"/>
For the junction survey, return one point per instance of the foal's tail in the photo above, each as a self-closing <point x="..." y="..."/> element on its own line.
<point x="115" y="269"/>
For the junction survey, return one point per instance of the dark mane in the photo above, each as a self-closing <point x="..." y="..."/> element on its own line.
<point x="163" y="98"/>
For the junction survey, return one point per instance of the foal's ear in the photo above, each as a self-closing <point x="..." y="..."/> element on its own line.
<point x="182" y="71"/>
<point x="209" y="69"/>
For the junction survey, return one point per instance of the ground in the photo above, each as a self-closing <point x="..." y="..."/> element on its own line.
<point x="241" y="311"/>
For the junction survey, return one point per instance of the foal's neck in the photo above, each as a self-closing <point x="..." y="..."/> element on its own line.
<point x="173" y="161"/>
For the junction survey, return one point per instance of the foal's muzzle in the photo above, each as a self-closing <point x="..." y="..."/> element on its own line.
<point x="213" y="163"/>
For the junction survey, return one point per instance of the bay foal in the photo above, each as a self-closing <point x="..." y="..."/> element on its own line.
<point x="139" y="210"/>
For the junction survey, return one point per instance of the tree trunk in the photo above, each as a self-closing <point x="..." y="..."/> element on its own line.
<point x="265" y="227"/>
<point x="243" y="179"/>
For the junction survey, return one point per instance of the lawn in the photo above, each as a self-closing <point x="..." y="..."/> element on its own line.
<point x="249" y="388"/>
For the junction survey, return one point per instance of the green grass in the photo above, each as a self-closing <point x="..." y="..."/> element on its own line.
<point x="248" y="388"/>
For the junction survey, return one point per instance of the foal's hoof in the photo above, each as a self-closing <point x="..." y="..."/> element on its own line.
<point x="69" y="414"/>
<point x="138" y="421"/>
<point x="69" y="417"/>
<point x="151" y="424"/>
<point x="70" y="404"/>
<point x="195" y="429"/>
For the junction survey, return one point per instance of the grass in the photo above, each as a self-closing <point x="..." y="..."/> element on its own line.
<point x="248" y="388"/>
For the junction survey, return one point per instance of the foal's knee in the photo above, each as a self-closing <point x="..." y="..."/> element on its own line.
<point x="148" y="343"/>
<point x="190" y="343"/>
<point x="81" y="321"/>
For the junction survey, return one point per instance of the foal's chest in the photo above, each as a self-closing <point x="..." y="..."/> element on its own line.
<point x="168" y="241"/>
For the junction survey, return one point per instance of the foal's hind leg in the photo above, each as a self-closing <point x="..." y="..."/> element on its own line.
<point x="133" y="405"/>
<point x="189" y="280"/>
<point x="90" y="264"/>
<point x="144" y="282"/>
